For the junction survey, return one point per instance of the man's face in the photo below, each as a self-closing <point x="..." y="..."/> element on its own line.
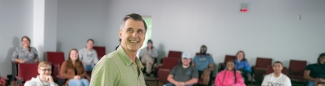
<point x="203" y="50"/>
<point x="322" y="59"/>
<point x="186" y="61"/>
<point x="45" y="71"/>
<point x="277" y="67"/>
<point x="90" y="44"/>
<point x="132" y="34"/>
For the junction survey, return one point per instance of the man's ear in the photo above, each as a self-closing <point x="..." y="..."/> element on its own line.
<point x="120" y="33"/>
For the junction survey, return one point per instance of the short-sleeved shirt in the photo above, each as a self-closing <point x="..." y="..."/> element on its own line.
<point x="271" y="80"/>
<point x="202" y="62"/>
<point x="116" y="69"/>
<point x="316" y="70"/>
<point x="182" y="74"/>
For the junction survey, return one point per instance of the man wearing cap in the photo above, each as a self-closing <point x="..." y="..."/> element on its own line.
<point x="183" y="75"/>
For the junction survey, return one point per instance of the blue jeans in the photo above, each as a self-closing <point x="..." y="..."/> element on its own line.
<point x="89" y="68"/>
<point x="81" y="82"/>
<point x="310" y="83"/>
<point x="171" y="84"/>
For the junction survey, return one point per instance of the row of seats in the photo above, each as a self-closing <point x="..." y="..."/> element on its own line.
<point x="3" y="81"/>
<point x="262" y="67"/>
<point x="168" y="63"/>
<point x="28" y="70"/>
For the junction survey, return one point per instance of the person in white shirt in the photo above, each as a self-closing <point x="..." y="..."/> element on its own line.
<point x="44" y="78"/>
<point x="276" y="78"/>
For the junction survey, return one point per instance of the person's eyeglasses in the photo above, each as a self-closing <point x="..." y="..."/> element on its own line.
<point x="45" y="69"/>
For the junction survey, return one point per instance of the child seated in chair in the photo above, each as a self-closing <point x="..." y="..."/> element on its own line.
<point x="44" y="78"/>
<point x="230" y="76"/>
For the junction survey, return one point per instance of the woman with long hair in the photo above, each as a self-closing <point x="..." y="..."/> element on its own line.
<point x="73" y="70"/>
<point x="230" y="76"/>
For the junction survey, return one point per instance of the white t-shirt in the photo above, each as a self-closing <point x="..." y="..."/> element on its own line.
<point x="271" y="80"/>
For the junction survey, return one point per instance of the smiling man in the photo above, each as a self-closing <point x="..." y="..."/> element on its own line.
<point x="121" y="67"/>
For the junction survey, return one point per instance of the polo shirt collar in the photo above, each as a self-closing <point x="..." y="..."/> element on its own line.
<point x="126" y="58"/>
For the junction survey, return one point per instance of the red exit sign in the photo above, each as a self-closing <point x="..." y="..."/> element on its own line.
<point x="244" y="10"/>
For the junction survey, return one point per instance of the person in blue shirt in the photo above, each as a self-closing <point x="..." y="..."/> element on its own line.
<point x="203" y="62"/>
<point x="242" y="65"/>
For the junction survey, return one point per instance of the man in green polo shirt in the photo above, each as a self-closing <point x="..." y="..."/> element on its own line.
<point x="121" y="67"/>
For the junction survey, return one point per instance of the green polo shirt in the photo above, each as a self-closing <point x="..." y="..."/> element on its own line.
<point x="116" y="69"/>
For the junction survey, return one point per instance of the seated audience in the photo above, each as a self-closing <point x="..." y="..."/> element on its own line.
<point x="203" y="61"/>
<point x="88" y="56"/>
<point x="148" y="56"/>
<point x="23" y="54"/>
<point x="229" y="76"/>
<point x="44" y="78"/>
<point x="242" y="65"/>
<point x="276" y="78"/>
<point x="183" y="75"/>
<point x="315" y="72"/>
<point x="73" y="70"/>
<point x="26" y="53"/>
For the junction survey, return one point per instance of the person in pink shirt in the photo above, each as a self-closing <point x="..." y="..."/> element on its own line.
<point x="229" y="76"/>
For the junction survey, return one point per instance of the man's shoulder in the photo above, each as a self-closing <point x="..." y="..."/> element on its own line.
<point x="315" y="64"/>
<point x="285" y="76"/>
<point x="82" y="50"/>
<point x="112" y="55"/>
<point x="269" y="75"/>
<point x="192" y="68"/>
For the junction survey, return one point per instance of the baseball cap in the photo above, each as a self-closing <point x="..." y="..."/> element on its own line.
<point x="186" y="55"/>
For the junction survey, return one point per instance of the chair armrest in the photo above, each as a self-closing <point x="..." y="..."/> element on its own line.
<point x="60" y="77"/>
<point x="61" y="80"/>
<point x="88" y="78"/>
<point x="221" y="66"/>
<point x="19" y="80"/>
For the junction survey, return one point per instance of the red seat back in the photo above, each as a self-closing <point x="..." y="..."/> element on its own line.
<point x="56" y="71"/>
<point x="163" y="74"/>
<point x="296" y="69"/>
<point x="229" y="57"/>
<point x="27" y="70"/>
<point x="55" y="57"/>
<point x="263" y="62"/>
<point x="175" y="54"/>
<point x="170" y="63"/>
<point x="3" y="81"/>
<point x="270" y="70"/>
<point x="101" y="51"/>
